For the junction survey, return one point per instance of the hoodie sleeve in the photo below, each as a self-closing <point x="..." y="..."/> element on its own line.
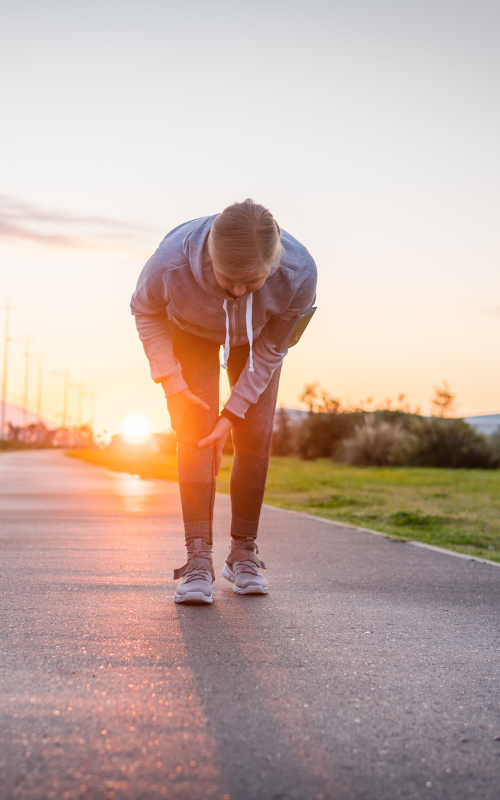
<point x="266" y="356"/>
<point x="149" y="307"/>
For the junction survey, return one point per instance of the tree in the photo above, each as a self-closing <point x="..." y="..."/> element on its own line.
<point x="451" y="443"/>
<point x="282" y="444"/>
<point x="377" y="442"/>
<point x="318" y="400"/>
<point x="443" y="402"/>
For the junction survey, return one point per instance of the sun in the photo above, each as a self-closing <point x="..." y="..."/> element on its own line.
<point x="136" y="428"/>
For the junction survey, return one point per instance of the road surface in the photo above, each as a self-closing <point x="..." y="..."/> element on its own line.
<point x="370" y="671"/>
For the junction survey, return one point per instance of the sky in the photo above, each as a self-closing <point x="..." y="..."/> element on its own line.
<point x="370" y="129"/>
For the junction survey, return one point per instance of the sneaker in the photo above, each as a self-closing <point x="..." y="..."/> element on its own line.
<point x="242" y="568"/>
<point x="197" y="575"/>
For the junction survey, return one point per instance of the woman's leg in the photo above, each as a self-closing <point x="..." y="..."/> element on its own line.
<point x="200" y="368"/>
<point x="252" y="446"/>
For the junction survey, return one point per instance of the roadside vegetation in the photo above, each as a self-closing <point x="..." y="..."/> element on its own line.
<point x="7" y="445"/>
<point x="391" y="435"/>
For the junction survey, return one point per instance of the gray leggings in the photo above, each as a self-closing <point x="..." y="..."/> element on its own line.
<point x="199" y="359"/>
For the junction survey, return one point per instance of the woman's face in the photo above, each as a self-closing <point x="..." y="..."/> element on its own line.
<point x="240" y="288"/>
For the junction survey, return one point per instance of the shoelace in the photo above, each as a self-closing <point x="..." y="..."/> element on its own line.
<point x="197" y="572"/>
<point x="245" y="565"/>
<point x="193" y="565"/>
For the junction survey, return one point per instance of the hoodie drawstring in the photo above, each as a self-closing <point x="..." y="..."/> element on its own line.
<point x="249" y="324"/>
<point x="250" y="329"/>
<point x="226" y="343"/>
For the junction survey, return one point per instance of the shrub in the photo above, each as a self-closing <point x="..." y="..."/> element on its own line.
<point x="321" y="433"/>
<point x="383" y="437"/>
<point x="440" y="442"/>
<point x="495" y="443"/>
<point x="377" y="442"/>
<point x="282" y="444"/>
<point x="443" y="402"/>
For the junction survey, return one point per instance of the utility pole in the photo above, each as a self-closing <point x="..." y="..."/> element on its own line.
<point x="92" y="408"/>
<point x="39" y="387"/>
<point x="26" y="380"/>
<point x="80" y="404"/>
<point x="64" y="375"/>
<point x="79" y="386"/>
<point x="7" y="309"/>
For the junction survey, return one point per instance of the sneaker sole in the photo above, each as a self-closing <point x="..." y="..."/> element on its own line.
<point x="193" y="597"/>
<point x="228" y="574"/>
<point x="250" y="590"/>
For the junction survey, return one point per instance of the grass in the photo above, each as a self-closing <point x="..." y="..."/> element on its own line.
<point x="456" y="509"/>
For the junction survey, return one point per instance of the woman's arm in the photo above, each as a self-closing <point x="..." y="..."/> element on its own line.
<point x="149" y="307"/>
<point x="266" y="355"/>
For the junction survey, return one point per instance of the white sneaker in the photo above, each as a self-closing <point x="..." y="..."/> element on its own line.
<point x="197" y="575"/>
<point x="242" y="568"/>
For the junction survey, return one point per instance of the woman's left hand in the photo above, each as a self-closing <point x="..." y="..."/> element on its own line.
<point x="218" y="439"/>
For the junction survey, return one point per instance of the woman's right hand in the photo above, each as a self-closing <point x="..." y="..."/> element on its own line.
<point x="179" y="403"/>
<point x="187" y="398"/>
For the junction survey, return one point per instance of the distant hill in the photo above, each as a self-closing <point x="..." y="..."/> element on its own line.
<point x="487" y="424"/>
<point x="15" y="415"/>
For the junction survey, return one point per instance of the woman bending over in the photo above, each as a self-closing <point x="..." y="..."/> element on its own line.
<point x="232" y="279"/>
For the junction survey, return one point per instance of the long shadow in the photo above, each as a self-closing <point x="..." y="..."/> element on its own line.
<point x="256" y="761"/>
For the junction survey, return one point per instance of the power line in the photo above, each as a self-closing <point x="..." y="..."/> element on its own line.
<point x="7" y="308"/>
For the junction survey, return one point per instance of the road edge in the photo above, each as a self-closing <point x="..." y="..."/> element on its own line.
<point x="422" y="545"/>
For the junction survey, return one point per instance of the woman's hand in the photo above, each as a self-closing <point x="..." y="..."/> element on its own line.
<point x="183" y="399"/>
<point x="218" y="439"/>
<point x="179" y="403"/>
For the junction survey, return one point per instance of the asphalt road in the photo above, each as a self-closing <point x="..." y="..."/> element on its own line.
<point x="370" y="671"/>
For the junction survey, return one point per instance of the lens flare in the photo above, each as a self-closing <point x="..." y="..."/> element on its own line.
<point x="136" y="428"/>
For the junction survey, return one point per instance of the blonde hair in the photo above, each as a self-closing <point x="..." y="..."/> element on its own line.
<point x="245" y="240"/>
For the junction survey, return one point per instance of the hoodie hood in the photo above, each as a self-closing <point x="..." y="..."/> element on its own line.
<point x="194" y="248"/>
<point x="196" y="251"/>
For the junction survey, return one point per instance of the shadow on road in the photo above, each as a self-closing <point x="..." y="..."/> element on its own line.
<point x="254" y="749"/>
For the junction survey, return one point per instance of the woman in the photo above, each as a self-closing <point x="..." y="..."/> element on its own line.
<point x="235" y="279"/>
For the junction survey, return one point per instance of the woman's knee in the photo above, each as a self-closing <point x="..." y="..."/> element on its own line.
<point x="252" y="440"/>
<point x="195" y="425"/>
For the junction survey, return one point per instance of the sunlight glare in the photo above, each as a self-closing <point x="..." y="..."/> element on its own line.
<point x="136" y="428"/>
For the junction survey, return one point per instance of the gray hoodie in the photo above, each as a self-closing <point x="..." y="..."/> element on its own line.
<point x="178" y="286"/>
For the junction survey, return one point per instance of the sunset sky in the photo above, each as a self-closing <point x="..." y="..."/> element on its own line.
<point x="370" y="129"/>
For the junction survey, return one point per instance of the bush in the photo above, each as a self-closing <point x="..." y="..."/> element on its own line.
<point x="451" y="443"/>
<point x="377" y="442"/>
<point x="283" y="443"/>
<point x="383" y="437"/>
<point x="495" y="443"/>
<point x="321" y="433"/>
